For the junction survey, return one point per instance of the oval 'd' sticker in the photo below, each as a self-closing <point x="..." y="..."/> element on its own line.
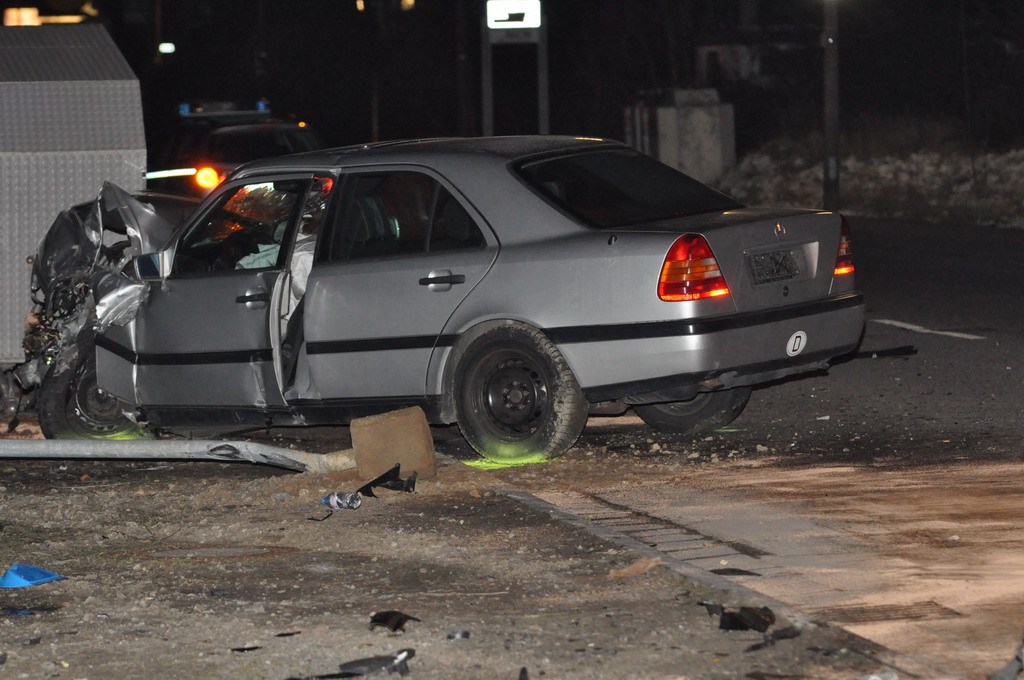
<point x="796" y="343"/>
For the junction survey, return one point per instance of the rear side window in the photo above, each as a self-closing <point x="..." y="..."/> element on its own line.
<point x="400" y="213"/>
<point x="620" y="187"/>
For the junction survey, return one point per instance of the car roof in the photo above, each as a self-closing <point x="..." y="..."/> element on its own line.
<point x="417" y="150"/>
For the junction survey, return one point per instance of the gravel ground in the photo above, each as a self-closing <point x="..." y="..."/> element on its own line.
<point x="209" y="570"/>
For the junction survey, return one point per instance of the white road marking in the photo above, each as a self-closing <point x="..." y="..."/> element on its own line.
<point x="921" y="329"/>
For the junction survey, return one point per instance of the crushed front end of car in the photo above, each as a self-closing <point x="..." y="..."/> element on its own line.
<point x="83" y="282"/>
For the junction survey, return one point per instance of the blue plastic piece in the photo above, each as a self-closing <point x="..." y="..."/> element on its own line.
<point x="22" y="575"/>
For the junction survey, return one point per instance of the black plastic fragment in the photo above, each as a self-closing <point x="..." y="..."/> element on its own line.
<point x="733" y="571"/>
<point x="392" y="620"/>
<point x="744" y="618"/>
<point x="392" y="480"/>
<point x="246" y="649"/>
<point x="787" y="633"/>
<point x="458" y="635"/>
<point x="393" y="663"/>
<point x="713" y="608"/>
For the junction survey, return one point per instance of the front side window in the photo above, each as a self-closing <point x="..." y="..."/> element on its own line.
<point x="244" y="230"/>
<point x="620" y="187"/>
<point x="401" y="213"/>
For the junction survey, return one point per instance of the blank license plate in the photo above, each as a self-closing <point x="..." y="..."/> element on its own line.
<point x="777" y="266"/>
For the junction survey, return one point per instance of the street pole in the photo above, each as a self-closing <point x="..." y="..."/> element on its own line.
<point x="830" y="42"/>
<point x="543" y="102"/>
<point x="486" y="79"/>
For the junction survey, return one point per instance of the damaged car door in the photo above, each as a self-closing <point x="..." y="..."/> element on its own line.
<point x="204" y="337"/>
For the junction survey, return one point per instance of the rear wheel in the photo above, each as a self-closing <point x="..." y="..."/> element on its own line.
<point x="71" y="405"/>
<point x="516" y="398"/>
<point x="706" y="412"/>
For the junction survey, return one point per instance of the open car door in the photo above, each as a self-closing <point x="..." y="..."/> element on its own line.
<point x="204" y="336"/>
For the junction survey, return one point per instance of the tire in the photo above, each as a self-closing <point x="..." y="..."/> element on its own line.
<point x="516" y="399"/>
<point x="706" y="412"/>
<point x="71" y="406"/>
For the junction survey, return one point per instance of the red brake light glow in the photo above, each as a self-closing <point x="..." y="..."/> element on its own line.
<point x="691" y="271"/>
<point x="207" y="177"/>
<point x="844" y="258"/>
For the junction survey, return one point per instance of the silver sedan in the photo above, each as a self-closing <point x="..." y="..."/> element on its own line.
<point x="510" y="285"/>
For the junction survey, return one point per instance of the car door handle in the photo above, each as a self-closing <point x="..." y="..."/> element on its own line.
<point x="438" y="278"/>
<point x="253" y="297"/>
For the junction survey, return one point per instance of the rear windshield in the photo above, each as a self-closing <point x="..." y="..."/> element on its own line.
<point x="619" y="187"/>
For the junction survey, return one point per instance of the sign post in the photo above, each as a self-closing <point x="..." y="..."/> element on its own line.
<point x="514" y="22"/>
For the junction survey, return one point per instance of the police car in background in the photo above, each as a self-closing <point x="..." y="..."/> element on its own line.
<point x="210" y="140"/>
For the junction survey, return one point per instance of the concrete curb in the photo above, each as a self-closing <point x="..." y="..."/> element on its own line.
<point x="902" y="664"/>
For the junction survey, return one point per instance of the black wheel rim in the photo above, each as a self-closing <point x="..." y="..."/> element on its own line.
<point x="92" y="411"/>
<point x="515" y="396"/>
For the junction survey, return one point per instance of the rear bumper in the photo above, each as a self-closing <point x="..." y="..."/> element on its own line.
<point x="674" y="360"/>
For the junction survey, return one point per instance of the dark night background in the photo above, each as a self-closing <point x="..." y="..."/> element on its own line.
<point x="956" y="66"/>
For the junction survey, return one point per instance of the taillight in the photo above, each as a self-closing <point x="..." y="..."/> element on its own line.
<point x="207" y="177"/>
<point x="691" y="271"/>
<point x="844" y="258"/>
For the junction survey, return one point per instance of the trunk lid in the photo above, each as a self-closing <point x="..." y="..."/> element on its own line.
<point x="769" y="259"/>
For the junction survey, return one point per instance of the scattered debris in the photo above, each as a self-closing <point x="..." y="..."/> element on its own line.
<point x="342" y="500"/>
<point x="246" y="649"/>
<point x="733" y="571"/>
<point x="350" y="500"/>
<point x="22" y="575"/>
<point x="1014" y="669"/>
<point x="392" y="620"/>
<point x="744" y="618"/>
<point x="179" y="449"/>
<point x="339" y="500"/>
<point x="392" y="479"/>
<point x="458" y="635"/>
<point x="787" y="633"/>
<point x="903" y="351"/>
<point x="291" y="633"/>
<point x="3" y="658"/>
<point x="394" y="663"/>
<point x="641" y="566"/>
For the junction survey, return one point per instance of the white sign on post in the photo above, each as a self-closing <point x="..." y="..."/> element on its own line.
<point x="512" y="14"/>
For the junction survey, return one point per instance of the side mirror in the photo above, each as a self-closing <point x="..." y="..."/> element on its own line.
<point x="148" y="266"/>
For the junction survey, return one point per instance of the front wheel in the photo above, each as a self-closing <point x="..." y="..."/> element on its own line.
<point x="71" y="405"/>
<point x="516" y="397"/>
<point x="706" y="412"/>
